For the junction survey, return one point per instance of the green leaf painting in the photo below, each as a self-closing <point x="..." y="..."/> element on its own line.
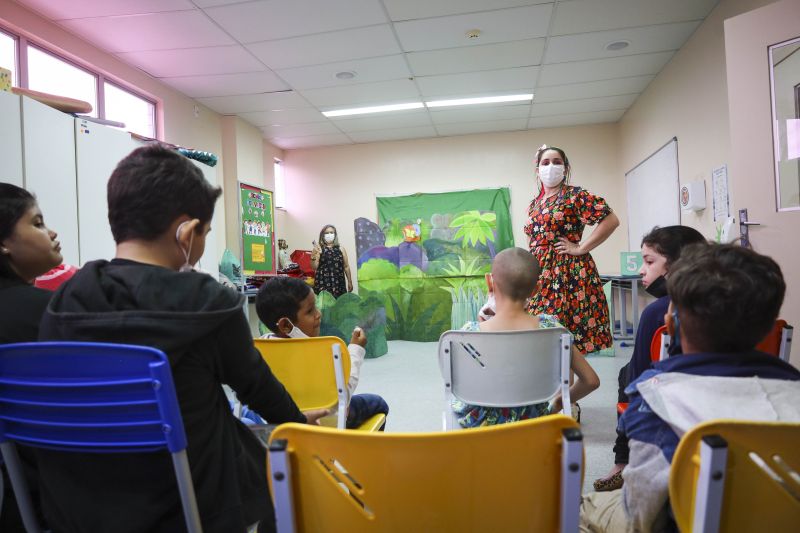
<point x="428" y="267"/>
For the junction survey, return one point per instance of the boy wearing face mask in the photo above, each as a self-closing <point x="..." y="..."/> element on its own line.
<point x="287" y="306"/>
<point x="660" y="249"/>
<point x="160" y="209"/>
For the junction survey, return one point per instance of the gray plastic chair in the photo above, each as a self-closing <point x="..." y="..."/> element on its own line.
<point x="505" y="368"/>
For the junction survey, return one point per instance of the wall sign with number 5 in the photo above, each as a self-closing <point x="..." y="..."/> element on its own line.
<point x="630" y="263"/>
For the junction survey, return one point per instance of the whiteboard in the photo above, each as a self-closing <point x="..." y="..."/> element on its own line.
<point x="652" y="190"/>
<point x="98" y="149"/>
<point x="49" y="163"/>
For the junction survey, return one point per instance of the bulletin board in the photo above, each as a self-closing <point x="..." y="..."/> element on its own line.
<point x="257" y="222"/>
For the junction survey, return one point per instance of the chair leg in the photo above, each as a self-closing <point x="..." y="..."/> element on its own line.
<point x="20" y="486"/>
<point x="186" y="488"/>
<point x="571" y="474"/>
<point x="282" y="486"/>
<point x="710" y="484"/>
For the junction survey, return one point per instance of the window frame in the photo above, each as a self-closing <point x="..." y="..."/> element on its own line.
<point x="21" y="75"/>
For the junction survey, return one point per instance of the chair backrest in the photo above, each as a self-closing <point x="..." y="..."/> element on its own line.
<point x="659" y="344"/>
<point x="730" y="475"/>
<point x="92" y="397"/>
<point x="778" y="340"/>
<point x="505" y="368"/>
<point x="309" y="370"/>
<point x="513" y="477"/>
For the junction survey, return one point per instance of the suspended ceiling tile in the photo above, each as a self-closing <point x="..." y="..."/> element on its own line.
<point x="244" y="103"/>
<point x="396" y="134"/>
<point x="283" y="116"/>
<point x="643" y="40"/>
<point x="251" y="22"/>
<point x="227" y="84"/>
<point x="327" y="47"/>
<point x="576" y="119"/>
<point x="363" y="94"/>
<point x="311" y="141"/>
<point x="470" y="58"/>
<point x="496" y="26"/>
<point x="464" y="128"/>
<point x="479" y="113"/>
<point x="593" y="89"/>
<point x="603" y="69"/>
<point x="417" y="9"/>
<point x="300" y="130"/>
<point x="154" y="31"/>
<point x="607" y="103"/>
<point x="61" y="10"/>
<point x="478" y="82"/>
<point x="365" y="71"/>
<point x="383" y="121"/>
<point x="580" y="16"/>
<point x="193" y="61"/>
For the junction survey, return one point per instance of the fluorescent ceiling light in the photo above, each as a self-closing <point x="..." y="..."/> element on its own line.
<point x="481" y="100"/>
<point x="373" y="109"/>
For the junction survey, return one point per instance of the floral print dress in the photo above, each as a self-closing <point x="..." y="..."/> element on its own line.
<point x="330" y="272"/>
<point x="471" y="416"/>
<point x="569" y="286"/>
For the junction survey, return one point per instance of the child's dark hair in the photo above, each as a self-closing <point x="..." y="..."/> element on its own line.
<point x="14" y="202"/>
<point x="727" y="297"/>
<point x="669" y="241"/>
<point x="280" y="297"/>
<point x="152" y="187"/>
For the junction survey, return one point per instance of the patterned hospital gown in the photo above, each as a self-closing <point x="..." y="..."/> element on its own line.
<point x="470" y="416"/>
<point x="569" y="286"/>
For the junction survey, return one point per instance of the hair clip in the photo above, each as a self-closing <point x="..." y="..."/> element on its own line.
<point x="543" y="147"/>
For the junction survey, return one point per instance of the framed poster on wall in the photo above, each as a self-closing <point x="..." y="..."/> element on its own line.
<point x="257" y="221"/>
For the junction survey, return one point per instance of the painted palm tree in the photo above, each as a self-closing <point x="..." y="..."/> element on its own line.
<point x="467" y="290"/>
<point x="475" y="227"/>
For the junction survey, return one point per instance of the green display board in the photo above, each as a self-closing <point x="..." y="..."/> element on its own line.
<point x="257" y="216"/>
<point x="427" y="257"/>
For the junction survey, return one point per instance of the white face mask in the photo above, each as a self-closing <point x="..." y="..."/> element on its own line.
<point x="296" y="332"/>
<point x="330" y="237"/>
<point x="489" y="308"/>
<point x="186" y="266"/>
<point x="551" y="175"/>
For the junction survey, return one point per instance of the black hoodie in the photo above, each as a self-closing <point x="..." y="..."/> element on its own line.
<point x="200" y="325"/>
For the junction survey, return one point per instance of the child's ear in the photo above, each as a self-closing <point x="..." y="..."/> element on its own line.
<point x="186" y="231"/>
<point x="284" y="326"/>
<point x="669" y="321"/>
<point x="489" y="282"/>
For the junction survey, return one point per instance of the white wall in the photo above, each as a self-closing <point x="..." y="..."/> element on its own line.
<point x="688" y="100"/>
<point x="336" y="185"/>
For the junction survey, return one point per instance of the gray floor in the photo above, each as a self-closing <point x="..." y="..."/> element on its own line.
<point x="408" y="378"/>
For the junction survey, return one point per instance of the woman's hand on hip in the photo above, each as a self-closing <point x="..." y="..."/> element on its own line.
<point x="567" y="247"/>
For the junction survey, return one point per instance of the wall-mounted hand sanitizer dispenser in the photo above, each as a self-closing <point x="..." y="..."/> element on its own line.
<point x="693" y="196"/>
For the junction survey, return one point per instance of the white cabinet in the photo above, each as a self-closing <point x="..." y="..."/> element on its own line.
<point x="98" y="149"/>
<point x="49" y="164"/>
<point x="10" y="139"/>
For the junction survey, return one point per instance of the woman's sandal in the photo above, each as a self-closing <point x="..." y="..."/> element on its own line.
<point x="610" y="483"/>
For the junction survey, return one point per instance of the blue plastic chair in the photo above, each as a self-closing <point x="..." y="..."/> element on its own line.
<point x="90" y="397"/>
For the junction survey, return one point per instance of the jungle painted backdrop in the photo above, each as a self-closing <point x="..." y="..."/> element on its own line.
<point x="427" y="256"/>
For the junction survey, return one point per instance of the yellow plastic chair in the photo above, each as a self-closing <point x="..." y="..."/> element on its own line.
<point x="730" y="475"/>
<point x="315" y="371"/>
<point x="513" y="477"/>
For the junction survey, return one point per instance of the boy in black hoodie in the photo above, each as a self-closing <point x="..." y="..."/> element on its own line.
<point x="160" y="209"/>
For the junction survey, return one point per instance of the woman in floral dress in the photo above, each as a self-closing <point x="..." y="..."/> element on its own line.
<point x="570" y="286"/>
<point x="330" y="262"/>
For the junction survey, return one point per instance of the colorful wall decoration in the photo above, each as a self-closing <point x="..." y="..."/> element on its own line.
<point x="427" y="257"/>
<point x="257" y="216"/>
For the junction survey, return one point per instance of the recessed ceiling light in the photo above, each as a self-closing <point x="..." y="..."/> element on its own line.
<point x="346" y="75"/>
<point x="373" y="109"/>
<point x="481" y="100"/>
<point x="615" y="46"/>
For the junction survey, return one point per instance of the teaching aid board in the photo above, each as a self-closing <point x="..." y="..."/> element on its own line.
<point x="257" y="223"/>
<point x="652" y="190"/>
